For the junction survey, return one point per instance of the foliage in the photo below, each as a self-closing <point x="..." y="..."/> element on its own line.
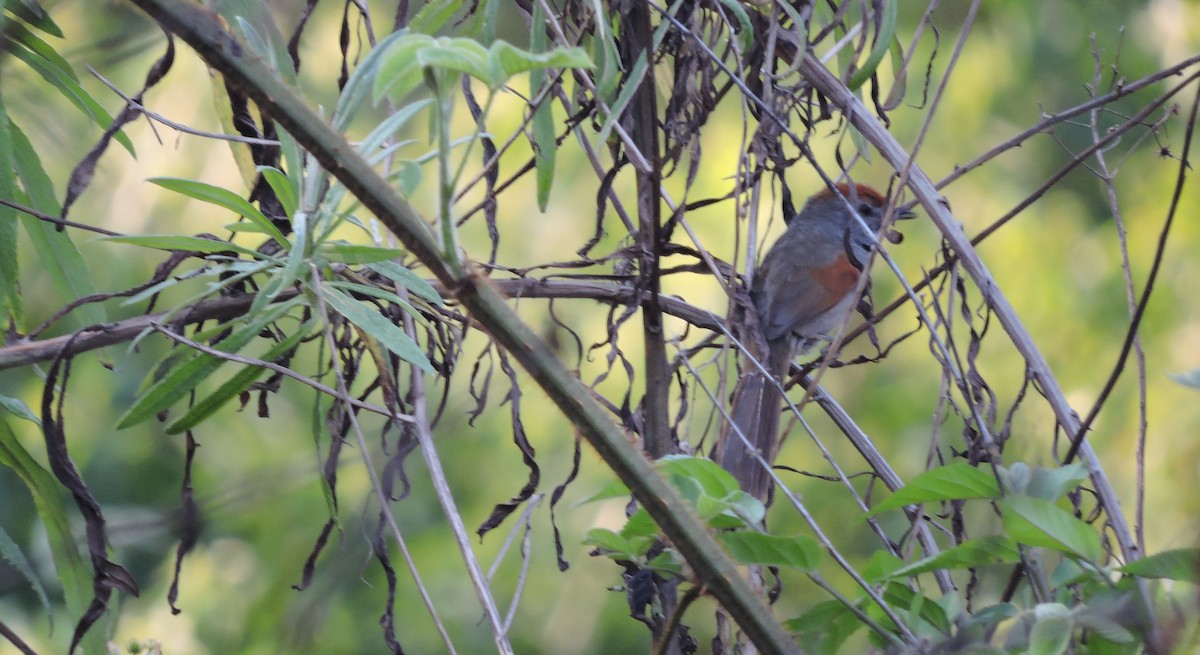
<point x="362" y="292"/>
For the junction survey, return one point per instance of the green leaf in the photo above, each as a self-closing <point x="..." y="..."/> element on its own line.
<point x="354" y="253"/>
<point x="222" y="198"/>
<point x="1053" y="483"/>
<point x="714" y="480"/>
<point x="64" y="81"/>
<point x="953" y="482"/>
<point x="610" y="543"/>
<point x="241" y="381"/>
<point x="1189" y="379"/>
<point x="361" y="81"/>
<point x="614" y="489"/>
<point x="399" y="73"/>
<point x="31" y="12"/>
<point x="506" y="60"/>
<point x="1037" y="522"/>
<point x="434" y="15"/>
<point x="984" y="551"/>
<point x="11" y="552"/>
<point x="73" y="571"/>
<point x="756" y="548"/>
<point x="460" y="55"/>
<point x="56" y="252"/>
<point x="1050" y="636"/>
<point x="1104" y="627"/>
<point x="901" y="596"/>
<point x="407" y="279"/>
<point x="283" y="188"/>
<point x="18" y="408"/>
<point x="883" y="41"/>
<point x="19" y="33"/>
<point x="388" y="127"/>
<point x="545" y="148"/>
<point x="376" y="292"/>
<point x="182" y="379"/>
<point x="182" y="242"/>
<point x="12" y="306"/>
<point x="617" y="108"/>
<point x="824" y="628"/>
<point x="378" y="328"/>
<point x="1182" y="564"/>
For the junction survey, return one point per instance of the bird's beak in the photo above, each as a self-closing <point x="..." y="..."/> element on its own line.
<point x="903" y="214"/>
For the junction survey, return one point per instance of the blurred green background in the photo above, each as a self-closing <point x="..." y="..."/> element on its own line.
<point x="257" y="479"/>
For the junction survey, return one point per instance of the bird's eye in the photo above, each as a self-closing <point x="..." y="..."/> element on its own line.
<point x="864" y="209"/>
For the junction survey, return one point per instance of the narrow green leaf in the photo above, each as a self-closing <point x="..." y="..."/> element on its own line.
<point x="375" y="292"/>
<point x="283" y="188"/>
<point x="984" y="551"/>
<point x="388" y="127"/>
<point x="506" y="60"/>
<point x="19" y="33"/>
<point x="182" y="242"/>
<point x="73" y="571"/>
<point x="355" y="253"/>
<point x="1181" y="564"/>
<point x="378" y="328"/>
<point x="617" y="108"/>
<point x="407" y="279"/>
<point x="222" y="198"/>
<point x="56" y="252"/>
<point x="883" y="41"/>
<point x="69" y="89"/>
<point x="1037" y="522"/>
<point x="186" y="376"/>
<point x="11" y="552"/>
<point x="241" y="381"/>
<point x="359" y="86"/>
<point x="545" y="148"/>
<point x="12" y="307"/>
<point x="755" y="548"/>
<point x="31" y="12"/>
<point x="18" y="408"/>
<point x="953" y="482"/>
<point x="745" y="33"/>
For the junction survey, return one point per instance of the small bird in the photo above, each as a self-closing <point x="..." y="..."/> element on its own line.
<point x="802" y="291"/>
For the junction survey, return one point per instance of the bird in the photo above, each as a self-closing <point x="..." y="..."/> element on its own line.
<point x="801" y="293"/>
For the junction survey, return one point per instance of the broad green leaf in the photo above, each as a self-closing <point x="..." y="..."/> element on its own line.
<point x="1104" y="627"/>
<point x="222" y="198"/>
<point x="824" y="628"/>
<point x="883" y="41"/>
<point x="283" y="188"/>
<point x="241" y="381"/>
<point x="182" y="242"/>
<point x="901" y="596"/>
<point x="354" y="253"/>
<point x="1181" y="564"/>
<point x="183" y="378"/>
<point x="407" y="279"/>
<point x="1050" y="636"/>
<point x="461" y="55"/>
<point x="756" y="548"/>
<point x="611" y="543"/>
<point x="72" y="570"/>
<point x="984" y="551"/>
<point x="614" y="489"/>
<point x="56" y="252"/>
<point x="69" y="89"/>
<point x="1037" y="522"/>
<point x="714" y="480"/>
<point x="18" y="408"/>
<point x="12" y="553"/>
<point x="1053" y="483"/>
<point x="377" y="327"/>
<point x="640" y="529"/>
<point x="399" y="72"/>
<point x="881" y="566"/>
<point x="506" y="60"/>
<point x="959" y="481"/>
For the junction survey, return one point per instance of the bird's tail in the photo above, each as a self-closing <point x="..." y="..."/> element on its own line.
<point x="755" y="413"/>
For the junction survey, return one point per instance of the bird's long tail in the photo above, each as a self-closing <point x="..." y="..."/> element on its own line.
<point x="755" y="413"/>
